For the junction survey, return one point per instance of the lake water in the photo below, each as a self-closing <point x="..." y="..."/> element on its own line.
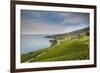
<point x="33" y="42"/>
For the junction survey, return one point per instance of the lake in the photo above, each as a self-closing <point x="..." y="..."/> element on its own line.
<point x="33" y="42"/>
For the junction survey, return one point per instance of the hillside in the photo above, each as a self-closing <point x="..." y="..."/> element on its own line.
<point x="70" y="49"/>
<point x="73" y="33"/>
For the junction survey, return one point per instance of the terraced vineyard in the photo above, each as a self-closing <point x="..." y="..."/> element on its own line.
<point x="74" y="49"/>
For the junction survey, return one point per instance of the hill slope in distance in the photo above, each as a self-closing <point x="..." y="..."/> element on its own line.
<point x="76" y="48"/>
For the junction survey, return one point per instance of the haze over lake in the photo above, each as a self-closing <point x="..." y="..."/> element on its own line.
<point x="33" y="42"/>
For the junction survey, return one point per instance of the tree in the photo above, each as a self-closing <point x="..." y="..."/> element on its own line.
<point x="87" y="33"/>
<point x="53" y="42"/>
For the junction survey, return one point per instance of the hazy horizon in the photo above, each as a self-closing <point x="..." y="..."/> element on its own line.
<point x="53" y="34"/>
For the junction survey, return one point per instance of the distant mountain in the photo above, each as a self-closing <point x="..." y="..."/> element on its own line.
<point x="73" y="33"/>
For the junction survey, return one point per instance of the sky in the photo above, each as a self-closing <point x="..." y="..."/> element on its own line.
<point x="52" y="22"/>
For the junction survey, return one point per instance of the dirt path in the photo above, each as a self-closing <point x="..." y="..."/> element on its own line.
<point x="35" y="57"/>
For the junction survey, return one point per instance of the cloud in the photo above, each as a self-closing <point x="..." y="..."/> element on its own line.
<point x="47" y="22"/>
<point x="75" y="18"/>
<point x="41" y="28"/>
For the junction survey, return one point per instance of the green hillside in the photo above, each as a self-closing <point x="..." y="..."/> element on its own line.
<point x="68" y="34"/>
<point x="73" y="49"/>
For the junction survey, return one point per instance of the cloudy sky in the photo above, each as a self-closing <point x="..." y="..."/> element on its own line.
<point x="51" y="22"/>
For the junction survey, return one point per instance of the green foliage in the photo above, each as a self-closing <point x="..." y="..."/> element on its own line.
<point x="53" y="42"/>
<point x="87" y="33"/>
<point x="74" y="49"/>
<point x="26" y="57"/>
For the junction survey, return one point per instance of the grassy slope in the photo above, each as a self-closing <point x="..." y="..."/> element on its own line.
<point x="68" y="50"/>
